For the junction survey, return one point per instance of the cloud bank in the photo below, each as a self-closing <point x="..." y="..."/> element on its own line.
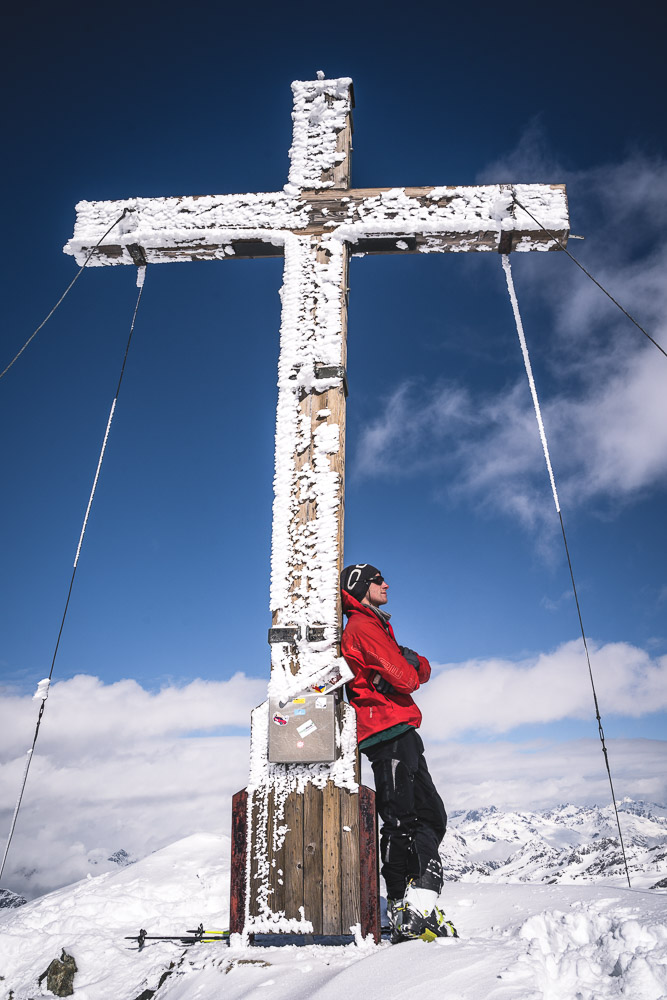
<point x="495" y="696"/>
<point x="116" y="766"/>
<point x="601" y="384"/>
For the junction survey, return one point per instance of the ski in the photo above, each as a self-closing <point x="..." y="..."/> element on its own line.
<point x="198" y="936"/>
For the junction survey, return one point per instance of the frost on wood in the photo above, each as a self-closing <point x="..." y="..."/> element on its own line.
<point x="221" y="227"/>
<point x="268" y="788"/>
<point x="477" y="215"/>
<point x="307" y="492"/>
<point x="294" y="777"/>
<point x="321" y="109"/>
<point x="182" y="228"/>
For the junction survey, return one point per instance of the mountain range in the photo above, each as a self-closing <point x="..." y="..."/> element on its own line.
<point x="564" y="844"/>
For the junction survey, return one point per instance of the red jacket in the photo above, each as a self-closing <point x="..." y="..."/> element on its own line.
<point x="369" y="648"/>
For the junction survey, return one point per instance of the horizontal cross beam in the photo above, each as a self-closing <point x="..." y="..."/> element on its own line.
<point x="368" y="220"/>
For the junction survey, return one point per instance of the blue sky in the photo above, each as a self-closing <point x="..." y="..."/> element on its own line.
<point x="447" y="491"/>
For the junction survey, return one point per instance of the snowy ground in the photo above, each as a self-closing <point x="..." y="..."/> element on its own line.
<point x="576" y="942"/>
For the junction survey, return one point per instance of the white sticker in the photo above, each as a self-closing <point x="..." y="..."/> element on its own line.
<point x="306" y="728"/>
<point x="320" y="703"/>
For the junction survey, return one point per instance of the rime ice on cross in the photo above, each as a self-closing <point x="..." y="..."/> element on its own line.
<point x="315" y="222"/>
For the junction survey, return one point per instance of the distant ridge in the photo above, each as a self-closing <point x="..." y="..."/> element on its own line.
<point x="567" y="843"/>
<point x="9" y="899"/>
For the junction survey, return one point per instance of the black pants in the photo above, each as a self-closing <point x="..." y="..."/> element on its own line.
<point x="413" y="814"/>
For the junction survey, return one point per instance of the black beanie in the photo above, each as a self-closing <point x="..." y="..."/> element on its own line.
<point x="356" y="579"/>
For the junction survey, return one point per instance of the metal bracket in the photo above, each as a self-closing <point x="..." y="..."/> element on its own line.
<point x="315" y="633"/>
<point x="137" y="254"/>
<point x="332" y="371"/>
<point x="290" y="635"/>
<point x="385" y="244"/>
<point x="505" y="243"/>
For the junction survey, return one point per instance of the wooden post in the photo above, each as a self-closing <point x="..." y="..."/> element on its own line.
<point x="237" y="895"/>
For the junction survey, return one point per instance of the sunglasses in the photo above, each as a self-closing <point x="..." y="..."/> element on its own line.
<point x="377" y="579"/>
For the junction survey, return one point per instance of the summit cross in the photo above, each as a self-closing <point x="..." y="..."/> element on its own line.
<point x="304" y="830"/>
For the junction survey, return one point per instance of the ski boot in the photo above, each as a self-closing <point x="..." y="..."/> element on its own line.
<point x="394" y="907"/>
<point x="416" y="907"/>
<point x="437" y="925"/>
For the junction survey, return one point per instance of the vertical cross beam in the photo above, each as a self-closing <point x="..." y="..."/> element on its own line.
<point x="310" y="431"/>
<point x="305" y="829"/>
<point x="307" y="542"/>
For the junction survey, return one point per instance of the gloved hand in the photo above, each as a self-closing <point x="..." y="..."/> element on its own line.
<point x="410" y="655"/>
<point x="382" y="685"/>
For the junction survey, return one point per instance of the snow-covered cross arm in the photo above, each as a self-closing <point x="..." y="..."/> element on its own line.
<point x="318" y="200"/>
<point x="369" y="220"/>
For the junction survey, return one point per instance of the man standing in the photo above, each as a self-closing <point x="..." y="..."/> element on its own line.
<point x="413" y="815"/>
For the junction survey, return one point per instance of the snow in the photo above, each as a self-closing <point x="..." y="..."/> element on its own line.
<point x="305" y="550"/>
<point x="268" y="787"/>
<point x="507" y="268"/>
<point x="565" y="844"/>
<point x="518" y="942"/>
<point x="42" y="692"/>
<point x="321" y="109"/>
<point x="206" y="226"/>
<point x="214" y="222"/>
<point x="211" y="220"/>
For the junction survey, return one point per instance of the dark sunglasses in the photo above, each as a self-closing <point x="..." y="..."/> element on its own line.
<point x="377" y="579"/>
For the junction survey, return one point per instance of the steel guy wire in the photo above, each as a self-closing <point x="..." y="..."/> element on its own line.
<point x="43" y="688"/>
<point x="71" y="284"/>
<point x="543" y="437"/>
<point x="589" y="275"/>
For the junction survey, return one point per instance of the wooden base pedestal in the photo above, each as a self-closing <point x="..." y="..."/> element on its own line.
<point x="310" y="858"/>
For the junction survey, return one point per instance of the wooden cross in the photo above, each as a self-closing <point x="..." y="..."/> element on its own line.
<point x="303" y="856"/>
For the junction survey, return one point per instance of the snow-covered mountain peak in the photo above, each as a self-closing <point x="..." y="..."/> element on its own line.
<point x="563" y="844"/>
<point x="517" y="942"/>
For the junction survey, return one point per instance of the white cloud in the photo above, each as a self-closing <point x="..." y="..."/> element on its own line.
<point x="602" y="386"/>
<point x="540" y="774"/>
<point x="496" y="696"/>
<point x="84" y="713"/>
<point x="112" y="769"/>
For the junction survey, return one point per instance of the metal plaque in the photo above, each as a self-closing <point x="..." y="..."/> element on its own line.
<point x="303" y="730"/>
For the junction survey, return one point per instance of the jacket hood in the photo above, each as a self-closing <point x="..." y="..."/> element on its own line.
<point x="351" y="604"/>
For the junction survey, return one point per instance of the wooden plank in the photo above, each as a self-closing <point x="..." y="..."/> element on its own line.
<point x="320" y="212"/>
<point x="312" y="856"/>
<point x="311" y="406"/>
<point x="237" y="891"/>
<point x="276" y="884"/>
<point x="293" y="854"/>
<point x="432" y="242"/>
<point x="342" y="172"/>
<point x="256" y="803"/>
<point x="368" y="853"/>
<point x="331" y="860"/>
<point x="336" y="402"/>
<point x="350" y="863"/>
